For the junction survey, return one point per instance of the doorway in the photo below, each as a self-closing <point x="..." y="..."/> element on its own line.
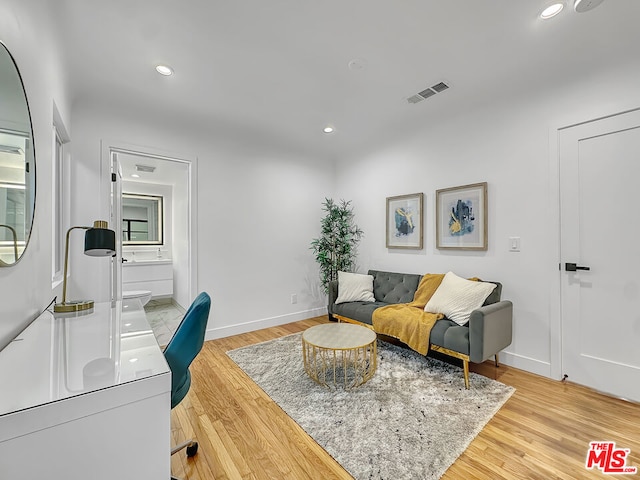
<point x="599" y="286"/>
<point x="160" y="255"/>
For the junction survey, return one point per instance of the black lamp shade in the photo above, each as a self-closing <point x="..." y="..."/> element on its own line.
<point x="100" y="242"/>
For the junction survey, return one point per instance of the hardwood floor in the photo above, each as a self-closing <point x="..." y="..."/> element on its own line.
<point x="542" y="432"/>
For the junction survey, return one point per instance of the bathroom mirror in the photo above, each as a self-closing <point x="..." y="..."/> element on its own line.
<point x="17" y="163"/>
<point x="141" y="219"/>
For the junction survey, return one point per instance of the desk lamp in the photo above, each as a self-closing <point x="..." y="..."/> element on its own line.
<point x="99" y="241"/>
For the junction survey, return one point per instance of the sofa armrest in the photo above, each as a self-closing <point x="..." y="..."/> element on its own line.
<point x="333" y="294"/>
<point x="490" y="330"/>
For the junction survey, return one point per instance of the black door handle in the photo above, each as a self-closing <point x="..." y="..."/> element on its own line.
<point x="572" y="267"/>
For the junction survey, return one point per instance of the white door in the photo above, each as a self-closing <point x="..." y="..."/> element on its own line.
<point x="116" y="225"/>
<point x="600" y="234"/>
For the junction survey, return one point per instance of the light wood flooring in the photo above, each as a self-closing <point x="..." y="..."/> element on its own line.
<point x="542" y="432"/>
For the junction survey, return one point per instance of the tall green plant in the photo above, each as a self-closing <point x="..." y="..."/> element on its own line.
<point x="335" y="249"/>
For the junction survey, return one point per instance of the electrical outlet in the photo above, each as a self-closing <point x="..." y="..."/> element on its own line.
<point x="294" y="298"/>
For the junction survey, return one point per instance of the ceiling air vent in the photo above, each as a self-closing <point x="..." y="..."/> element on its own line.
<point x="429" y="92"/>
<point x="440" y="87"/>
<point x="145" y="168"/>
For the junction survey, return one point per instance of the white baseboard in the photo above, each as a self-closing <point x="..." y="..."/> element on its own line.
<point x="222" y="332"/>
<point x="525" y="363"/>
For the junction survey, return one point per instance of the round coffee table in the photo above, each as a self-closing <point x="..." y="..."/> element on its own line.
<point x="339" y="354"/>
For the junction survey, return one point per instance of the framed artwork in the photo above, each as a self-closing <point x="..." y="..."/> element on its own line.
<point x="461" y="217"/>
<point x="404" y="221"/>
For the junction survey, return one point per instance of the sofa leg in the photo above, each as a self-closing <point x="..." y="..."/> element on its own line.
<point x="497" y="364"/>
<point x="465" y="366"/>
<point x="453" y="353"/>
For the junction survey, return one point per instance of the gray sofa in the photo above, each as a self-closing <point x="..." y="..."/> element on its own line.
<point x="488" y="331"/>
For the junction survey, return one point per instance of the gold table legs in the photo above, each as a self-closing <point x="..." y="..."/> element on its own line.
<point x="350" y="367"/>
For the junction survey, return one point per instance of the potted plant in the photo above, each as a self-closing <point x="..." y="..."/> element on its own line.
<point x="335" y="249"/>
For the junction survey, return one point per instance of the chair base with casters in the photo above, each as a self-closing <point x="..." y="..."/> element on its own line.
<point x="192" y="449"/>
<point x="190" y="445"/>
<point x="180" y="352"/>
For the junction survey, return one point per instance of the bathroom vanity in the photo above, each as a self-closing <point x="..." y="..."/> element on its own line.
<point x="149" y="274"/>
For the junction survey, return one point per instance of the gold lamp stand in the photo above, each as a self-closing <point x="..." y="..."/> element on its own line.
<point x="99" y="241"/>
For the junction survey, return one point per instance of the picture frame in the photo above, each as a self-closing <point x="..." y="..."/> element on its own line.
<point x="461" y="217"/>
<point x="405" y="221"/>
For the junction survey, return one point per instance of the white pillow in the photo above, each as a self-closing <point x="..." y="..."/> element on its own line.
<point x="456" y="297"/>
<point x="354" y="287"/>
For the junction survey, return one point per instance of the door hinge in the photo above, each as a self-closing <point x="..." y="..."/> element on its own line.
<point x="113" y="177"/>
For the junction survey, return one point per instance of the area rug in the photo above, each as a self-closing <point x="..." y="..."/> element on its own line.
<point x="410" y="421"/>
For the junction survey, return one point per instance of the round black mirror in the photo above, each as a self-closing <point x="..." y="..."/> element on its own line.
<point x="17" y="163"/>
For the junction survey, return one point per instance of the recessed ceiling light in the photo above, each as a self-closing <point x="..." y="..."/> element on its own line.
<point x="164" y="70"/>
<point x="327" y="129"/>
<point x="551" y="11"/>
<point x="135" y="175"/>
<point x="581" y="6"/>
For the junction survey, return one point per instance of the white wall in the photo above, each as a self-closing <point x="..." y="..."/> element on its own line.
<point x="508" y="146"/>
<point x="25" y="289"/>
<point x="259" y="206"/>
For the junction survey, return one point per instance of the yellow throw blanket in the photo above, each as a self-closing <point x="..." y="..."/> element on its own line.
<point x="408" y="322"/>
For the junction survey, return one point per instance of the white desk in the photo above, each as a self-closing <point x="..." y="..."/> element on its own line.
<point x="85" y="396"/>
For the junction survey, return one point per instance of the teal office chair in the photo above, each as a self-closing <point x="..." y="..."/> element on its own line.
<point x="182" y="349"/>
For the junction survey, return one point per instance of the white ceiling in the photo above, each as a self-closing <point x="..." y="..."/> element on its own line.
<point x="277" y="70"/>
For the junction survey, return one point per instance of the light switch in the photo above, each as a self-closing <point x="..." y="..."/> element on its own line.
<point x="514" y="244"/>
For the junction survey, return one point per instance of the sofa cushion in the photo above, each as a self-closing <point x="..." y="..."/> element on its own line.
<point x="354" y="287"/>
<point x="360" y="311"/>
<point x="448" y="334"/>
<point x="390" y="287"/>
<point x="457" y="297"/>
